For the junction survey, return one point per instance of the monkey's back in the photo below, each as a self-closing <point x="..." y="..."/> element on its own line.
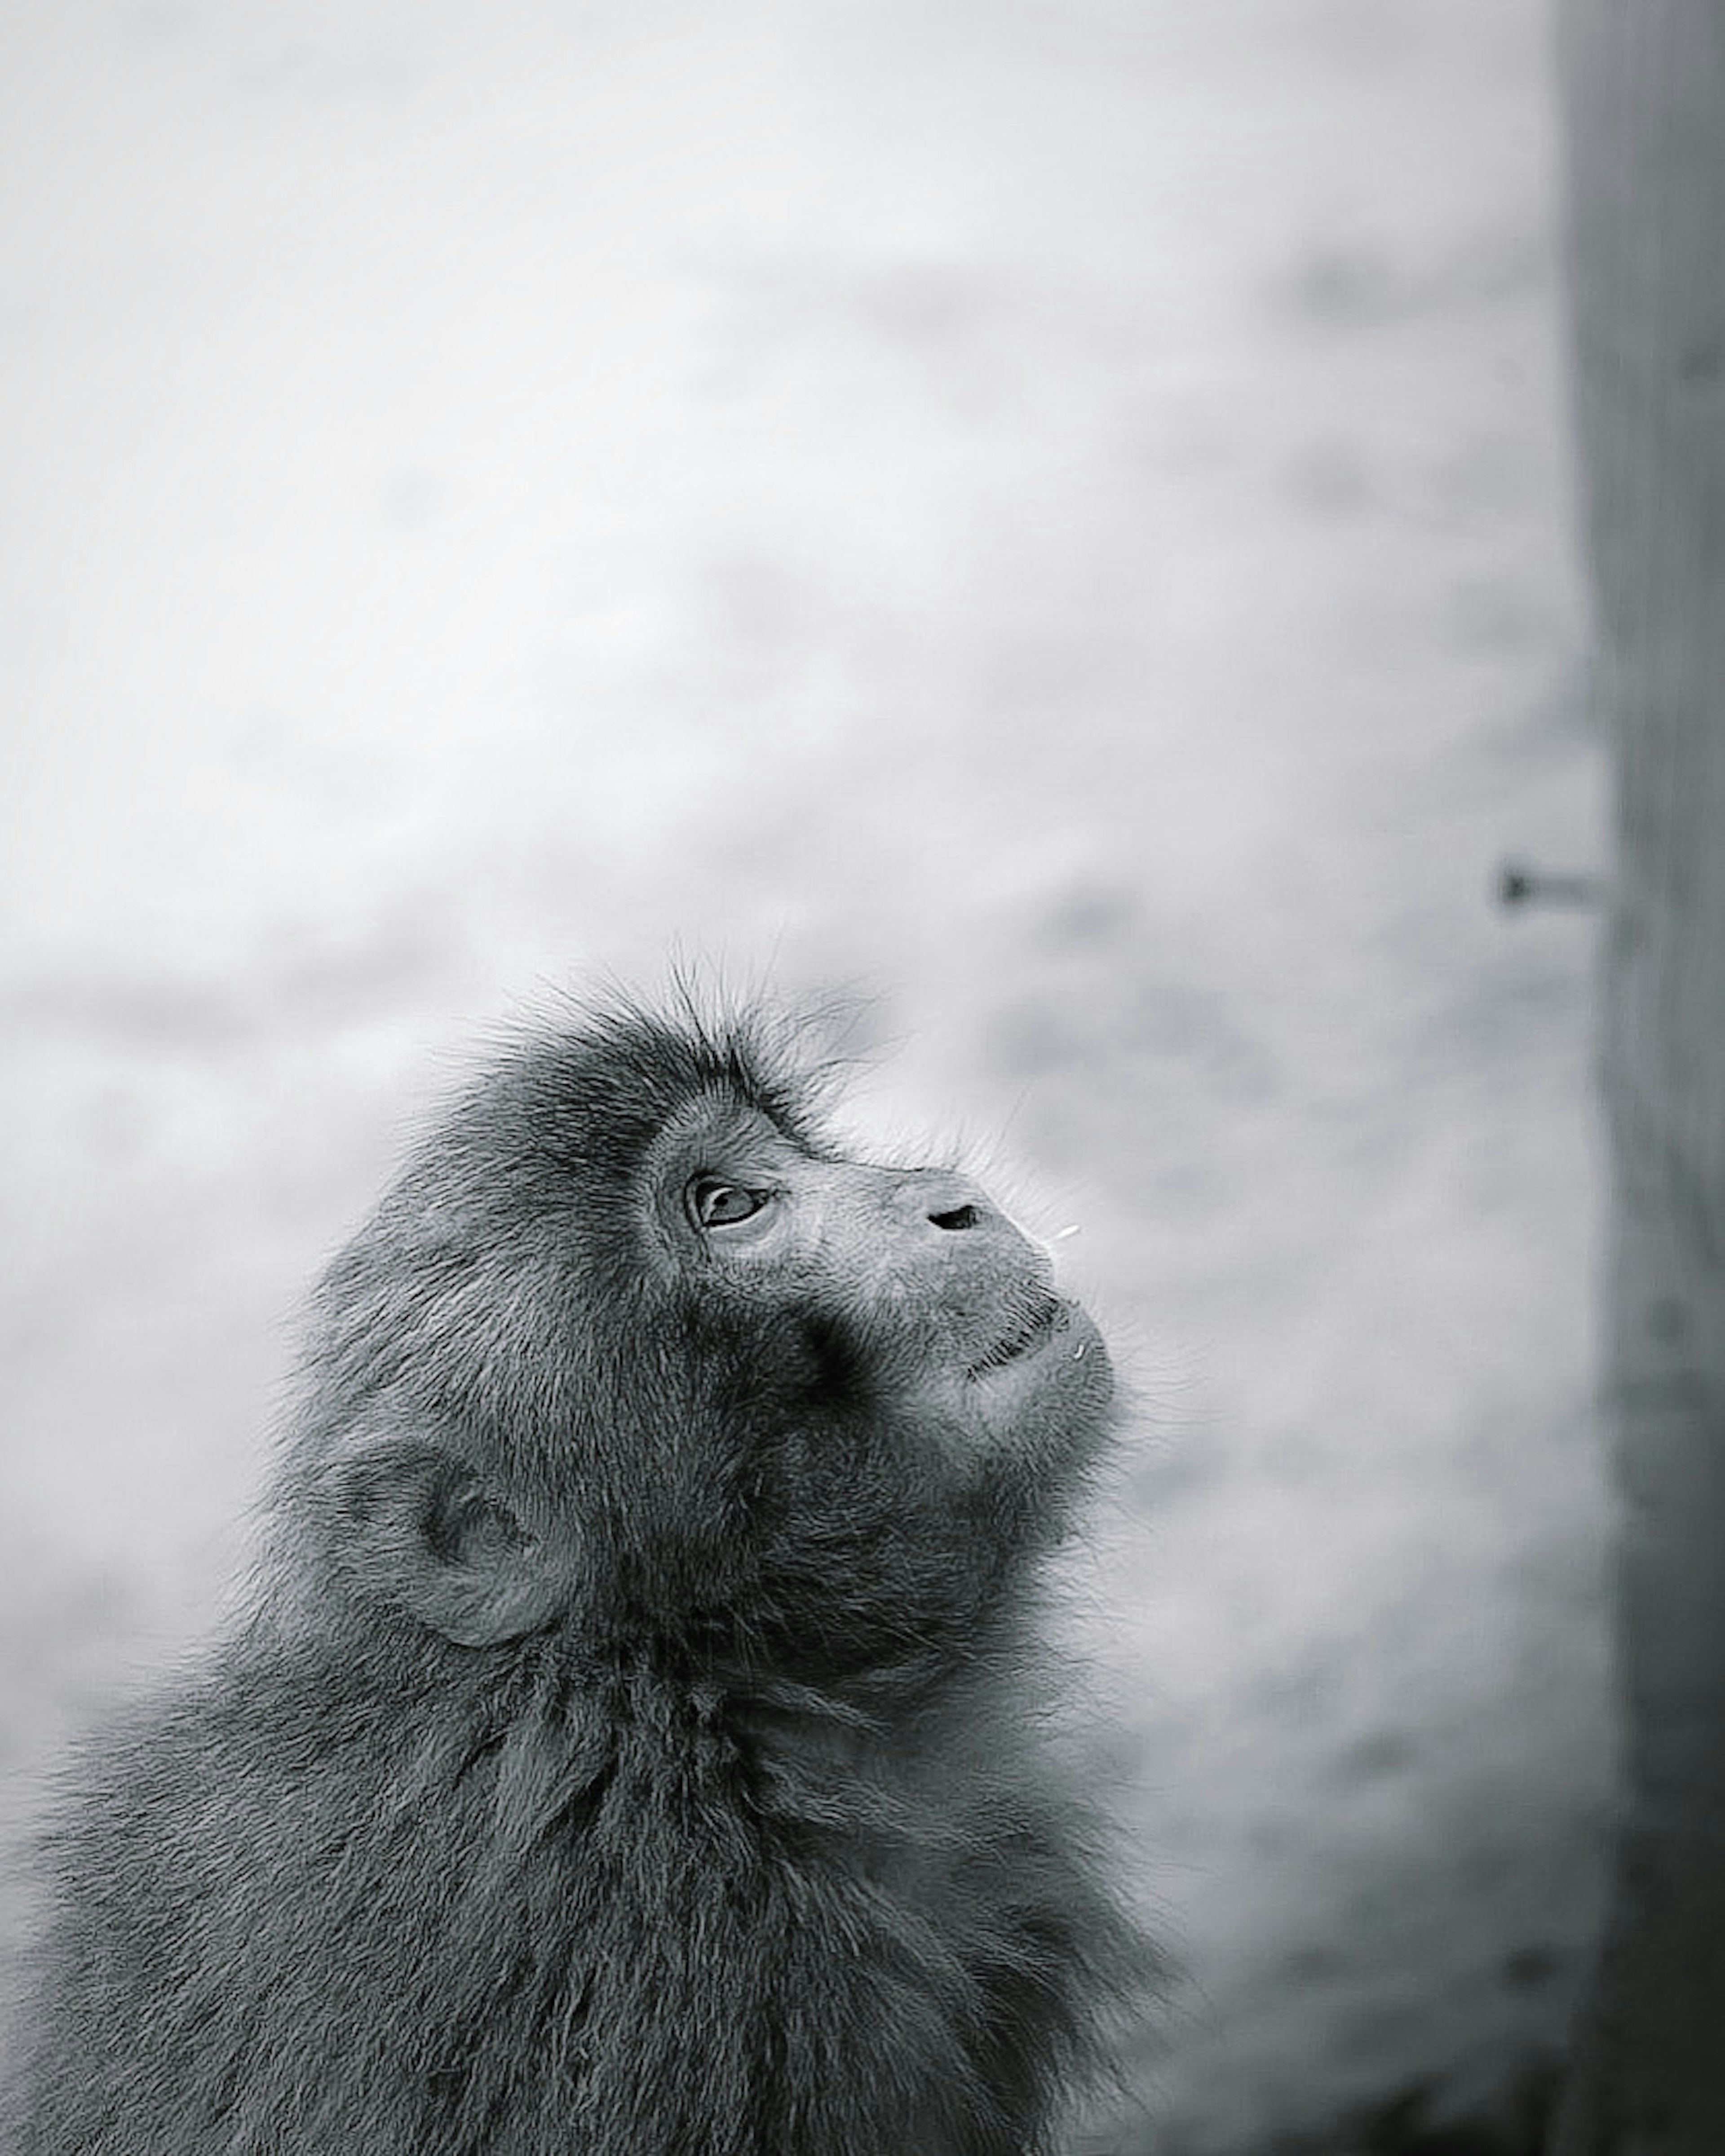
<point x="607" y="1918"/>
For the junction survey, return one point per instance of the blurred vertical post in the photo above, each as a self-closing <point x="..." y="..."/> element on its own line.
<point x="1644" y="82"/>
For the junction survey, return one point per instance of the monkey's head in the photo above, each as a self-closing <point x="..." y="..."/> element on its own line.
<point x="631" y="1350"/>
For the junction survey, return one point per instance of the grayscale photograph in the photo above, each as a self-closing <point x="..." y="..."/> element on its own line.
<point x="864" y="1284"/>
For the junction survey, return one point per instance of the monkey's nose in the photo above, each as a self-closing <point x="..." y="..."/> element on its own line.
<point x="951" y="1202"/>
<point x="932" y="1202"/>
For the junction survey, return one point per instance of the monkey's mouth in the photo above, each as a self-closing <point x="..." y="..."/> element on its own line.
<point x="1034" y="1325"/>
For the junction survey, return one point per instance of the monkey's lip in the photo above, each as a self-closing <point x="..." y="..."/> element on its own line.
<point x="1030" y="1331"/>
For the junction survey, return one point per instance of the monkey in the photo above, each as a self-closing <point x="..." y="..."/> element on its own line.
<point x="632" y="1742"/>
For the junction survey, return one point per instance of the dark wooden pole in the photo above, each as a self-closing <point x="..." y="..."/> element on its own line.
<point x="1645" y="90"/>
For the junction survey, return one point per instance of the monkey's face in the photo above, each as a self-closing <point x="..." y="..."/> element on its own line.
<point x="878" y="1376"/>
<point x="917" y="1294"/>
<point x="872" y="1297"/>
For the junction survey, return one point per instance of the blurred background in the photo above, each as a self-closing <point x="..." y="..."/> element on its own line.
<point x="1049" y="517"/>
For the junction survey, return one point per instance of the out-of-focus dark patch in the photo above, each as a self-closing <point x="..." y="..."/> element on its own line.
<point x="1344" y="285"/>
<point x="1532" y="1968"/>
<point x="312" y="981"/>
<point x="1158" y="1473"/>
<point x="1496" y="614"/>
<point x="1385" y="1752"/>
<point x="1356" y="283"/>
<point x="155" y="1011"/>
<point x="1185" y="1029"/>
<point x="1704" y="361"/>
<point x="1333" y="478"/>
<point x="1417" y="2121"/>
<point x="927" y="302"/>
<point x="299" y="981"/>
<point x="1091" y="912"/>
<point x="1311" y="1964"/>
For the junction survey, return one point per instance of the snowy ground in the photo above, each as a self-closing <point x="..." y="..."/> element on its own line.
<point x="1052" y="514"/>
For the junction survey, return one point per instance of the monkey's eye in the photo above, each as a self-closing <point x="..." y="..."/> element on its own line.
<point x="714" y="1203"/>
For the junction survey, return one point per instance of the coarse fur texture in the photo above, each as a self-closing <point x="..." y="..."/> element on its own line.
<point x="635" y="1745"/>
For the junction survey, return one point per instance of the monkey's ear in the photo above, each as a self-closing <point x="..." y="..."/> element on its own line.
<point x="420" y="1529"/>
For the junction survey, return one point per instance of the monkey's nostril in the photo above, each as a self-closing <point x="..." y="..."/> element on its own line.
<point x="960" y="1216"/>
